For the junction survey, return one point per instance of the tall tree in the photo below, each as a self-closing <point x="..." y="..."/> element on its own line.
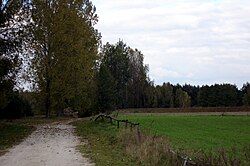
<point x="150" y="94"/>
<point x="182" y="99"/>
<point x="246" y="94"/>
<point x="192" y="92"/>
<point x="218" y="95"/>
<point x="106" y="90"/>
<point x="135" y="92"/>
<point x="129" y="72"/>
<point x="65" y="40"/>
<point x="12" y="17"/>
<point x="166" y="95"/>
<point x="116" y="58"/>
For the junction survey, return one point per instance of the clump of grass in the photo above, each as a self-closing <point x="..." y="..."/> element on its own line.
<point x="148" y="150"/>
<point x="225" y="157"/>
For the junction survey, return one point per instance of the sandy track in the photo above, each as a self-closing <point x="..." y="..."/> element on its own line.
<point x="49" y="145"/>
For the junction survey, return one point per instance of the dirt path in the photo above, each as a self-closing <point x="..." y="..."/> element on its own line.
<point x="50" y="145"/>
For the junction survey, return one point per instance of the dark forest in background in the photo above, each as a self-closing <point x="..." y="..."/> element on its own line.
<point x="54" y="47"/>
<point x="124" y="83"/>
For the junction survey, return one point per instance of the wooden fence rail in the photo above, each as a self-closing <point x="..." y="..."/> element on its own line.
<point x="118" y="121"/>
<point x="125" y="122"/>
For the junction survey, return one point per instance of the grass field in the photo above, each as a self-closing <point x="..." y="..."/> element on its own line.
<point x="206" y="133"/>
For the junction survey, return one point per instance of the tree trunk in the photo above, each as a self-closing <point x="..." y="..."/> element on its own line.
<point x="47" y="99"/>
<point x="48" y="82"/>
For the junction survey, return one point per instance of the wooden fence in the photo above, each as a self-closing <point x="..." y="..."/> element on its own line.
<point x="113" y="120"/>
<point x="119" y="122"/>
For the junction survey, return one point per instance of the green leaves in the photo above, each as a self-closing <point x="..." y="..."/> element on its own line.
<point x="129" y="73"/>
<point x="65" y="62"/>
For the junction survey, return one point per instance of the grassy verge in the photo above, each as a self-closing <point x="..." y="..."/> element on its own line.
<point x="12" y="134"/>
<point x="103" y="146"/>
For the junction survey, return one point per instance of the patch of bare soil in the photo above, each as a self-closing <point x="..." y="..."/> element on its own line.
<point x="49" y="145"/>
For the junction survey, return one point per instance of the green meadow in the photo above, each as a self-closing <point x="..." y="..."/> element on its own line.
<point x="198" y="133"/>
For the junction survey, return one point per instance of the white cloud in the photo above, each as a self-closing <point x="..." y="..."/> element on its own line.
<point x="199" y="42"/>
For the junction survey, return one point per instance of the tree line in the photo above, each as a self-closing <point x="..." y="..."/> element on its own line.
<point x="124" y="83"/>
<point x="53" y="49"/>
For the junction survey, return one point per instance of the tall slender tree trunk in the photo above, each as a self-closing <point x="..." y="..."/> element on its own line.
<point x="48" y="82"/>
<point x="47" y="99"/>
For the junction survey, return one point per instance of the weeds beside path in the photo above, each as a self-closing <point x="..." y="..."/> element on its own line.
<point x="103" y="146"/>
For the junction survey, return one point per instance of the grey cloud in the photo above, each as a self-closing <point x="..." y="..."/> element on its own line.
<point x="199" y="42"/>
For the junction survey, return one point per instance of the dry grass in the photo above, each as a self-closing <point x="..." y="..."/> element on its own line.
<point x="224" y="158"/>
<point x="148" y="150"/>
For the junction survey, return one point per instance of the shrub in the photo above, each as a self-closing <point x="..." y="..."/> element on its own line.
<point x="16" y="108"/>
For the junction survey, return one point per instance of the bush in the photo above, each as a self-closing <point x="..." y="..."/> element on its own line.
<point x="16" y="108"/>
<point x="83" y="114"/>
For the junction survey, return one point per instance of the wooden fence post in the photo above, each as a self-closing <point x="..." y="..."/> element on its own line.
<point x="126" y="123"/>
<point x="118" y="124"/>
<point x="138" y="134"/>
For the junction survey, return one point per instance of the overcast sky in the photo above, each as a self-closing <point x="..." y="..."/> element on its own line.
<point x="196" y="42"/>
